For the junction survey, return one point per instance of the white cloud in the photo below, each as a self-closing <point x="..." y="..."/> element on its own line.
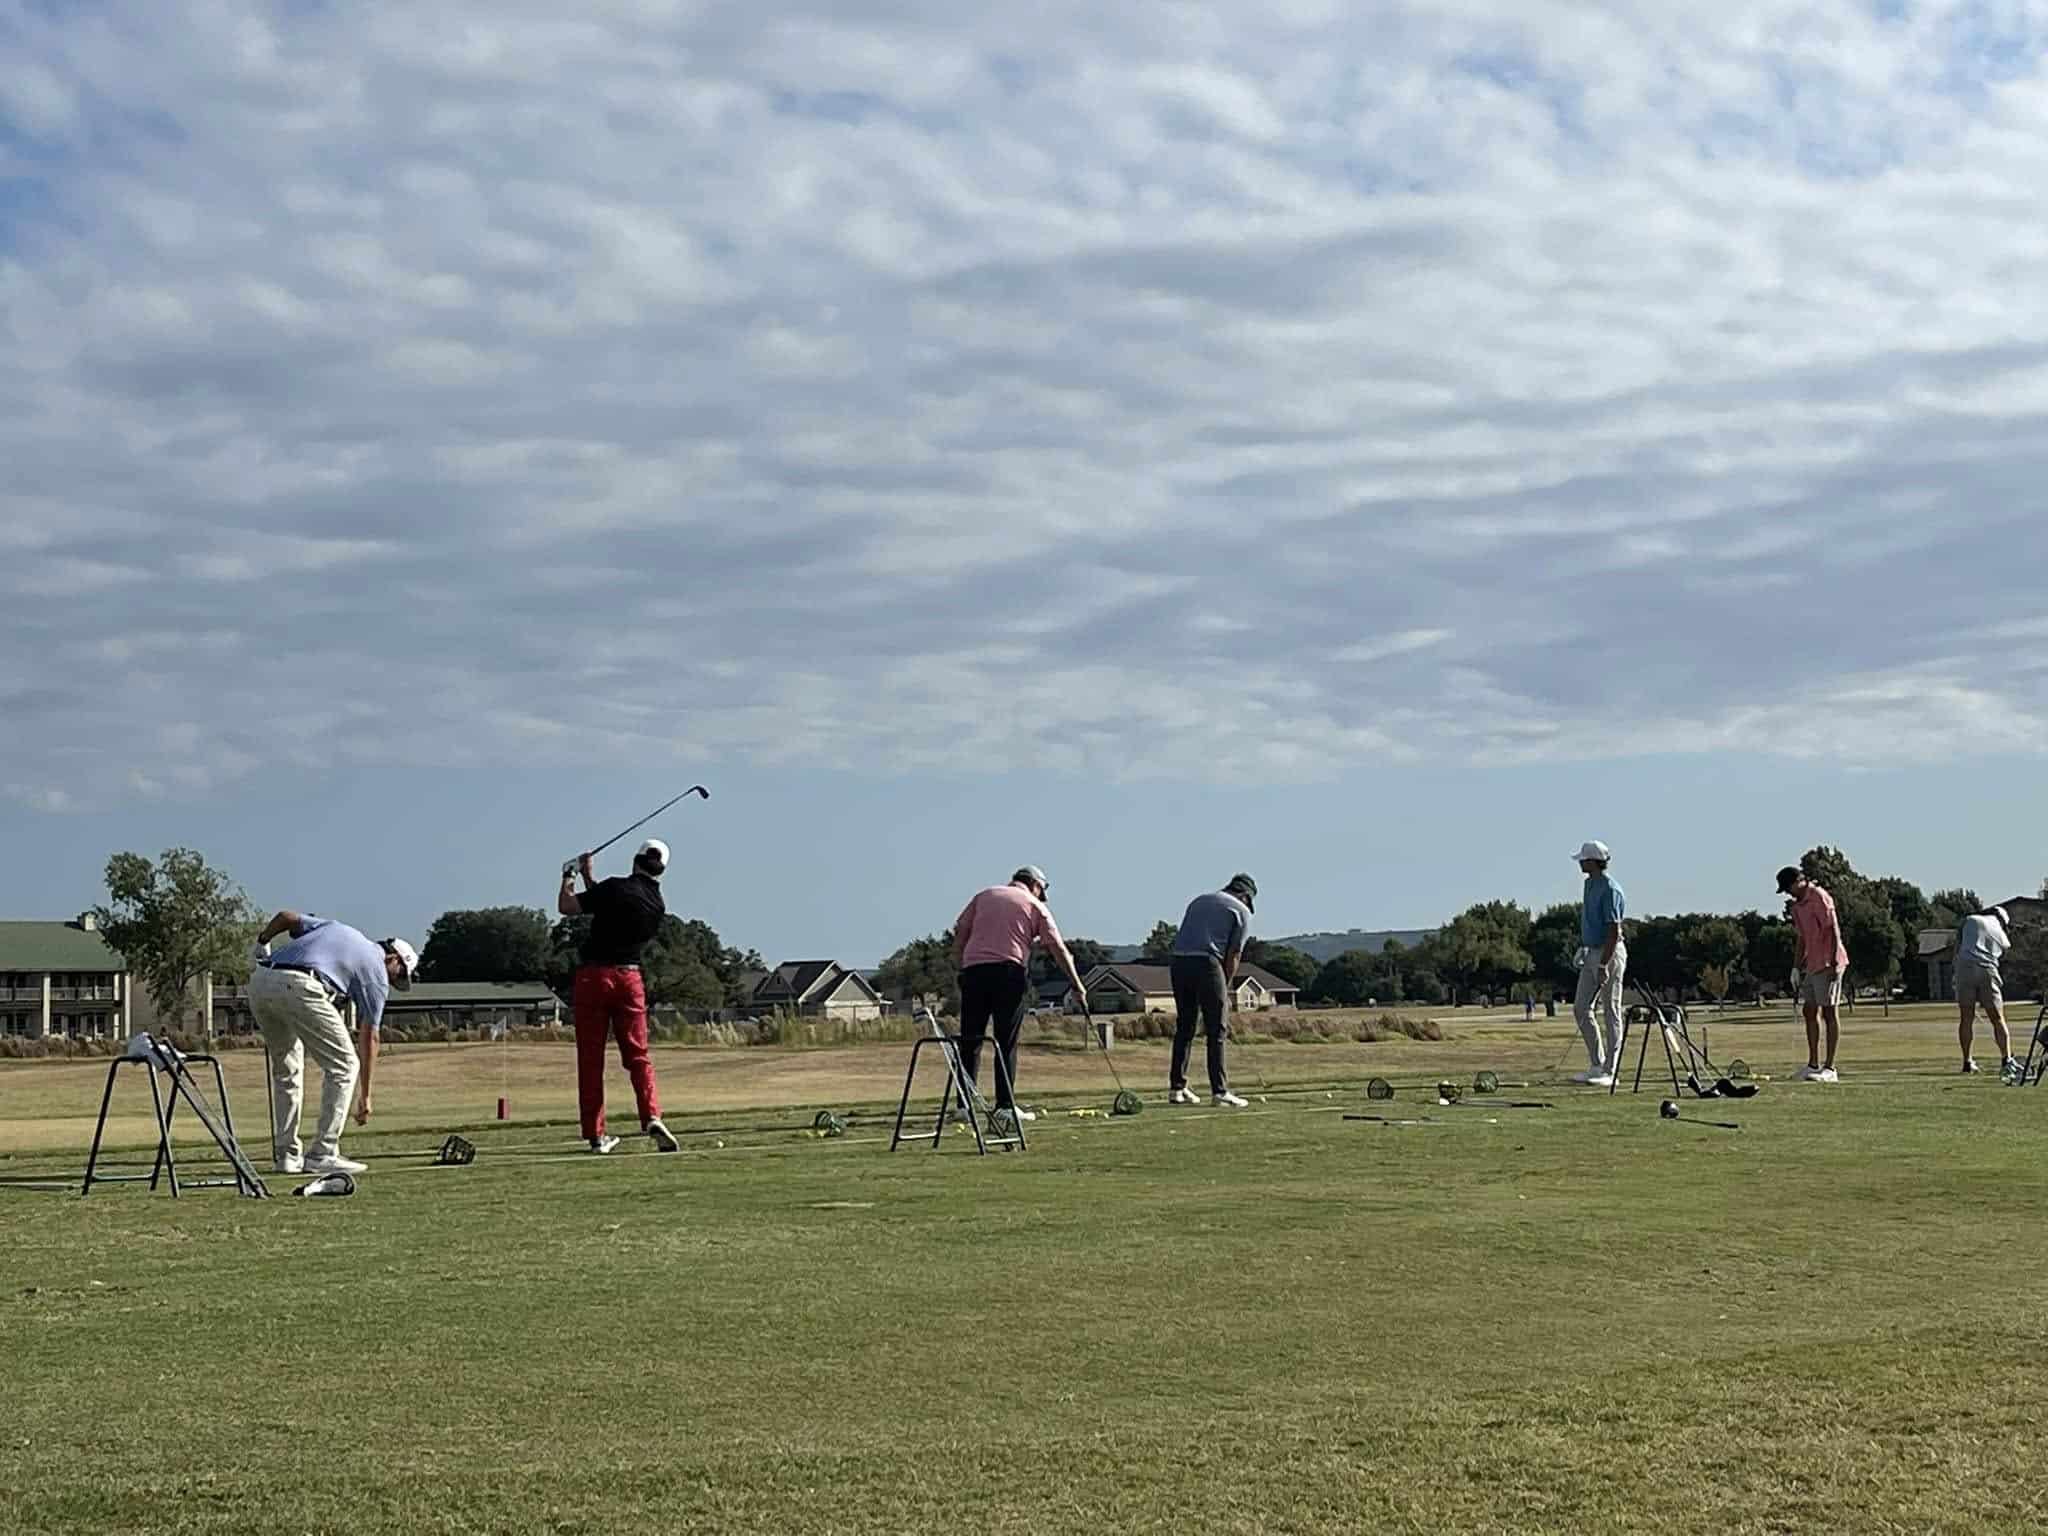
<point x="881" y="382"/>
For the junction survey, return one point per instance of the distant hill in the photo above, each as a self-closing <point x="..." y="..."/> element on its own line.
<point x="1322" y="947"/>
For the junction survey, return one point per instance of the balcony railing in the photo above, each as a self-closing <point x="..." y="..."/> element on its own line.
<point x="82" y="995"/>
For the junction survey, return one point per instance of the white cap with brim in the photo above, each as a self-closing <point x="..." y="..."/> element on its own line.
<point x="655" y="852"/>
<point x="408" y="959"/>
<point x="1032" y="873"/>
<point x="1591" y="853"/>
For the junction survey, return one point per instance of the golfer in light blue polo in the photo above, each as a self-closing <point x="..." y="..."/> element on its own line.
<point x="1603" y="968"/>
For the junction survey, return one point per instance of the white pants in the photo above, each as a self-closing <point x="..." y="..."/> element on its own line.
<point x="298" y="1019"/>
<point x="1602" y="993"/>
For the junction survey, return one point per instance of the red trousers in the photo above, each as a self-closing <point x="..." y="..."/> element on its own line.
<point x="609" y="999"/>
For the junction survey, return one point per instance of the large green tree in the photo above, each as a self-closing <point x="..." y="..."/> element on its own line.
<point x="1158" y="947"/>
<point x="487" y="944"/>
<point x="1773" y="952"/>
<point x="685" y="964"/>
<point x="923" y="970"/>
<point x="1554" y="945"/>
<point x="1485" y="946"/>
<point x="1950" y="907"/>
<point x="1347" y="980"/>
<point x="1287" y="963"/>
<point x="1872" y="938"/>
<point x="1711" y="943"/>
<point x="175" y="922"/>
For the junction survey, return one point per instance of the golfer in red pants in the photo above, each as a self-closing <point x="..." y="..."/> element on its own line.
<point x="610" y="998"/>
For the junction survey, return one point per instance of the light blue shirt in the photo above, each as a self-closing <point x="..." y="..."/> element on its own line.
<point x="344" y="959"/>
<point x="1215" y="925"/>
<point x="1605" y="904"/>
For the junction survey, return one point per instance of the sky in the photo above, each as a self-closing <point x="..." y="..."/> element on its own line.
<point x="1374" y="448"/>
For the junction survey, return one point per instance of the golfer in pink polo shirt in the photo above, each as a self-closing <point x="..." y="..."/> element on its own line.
<point x="992" y="943"/>
<point x="1823" y="962"/>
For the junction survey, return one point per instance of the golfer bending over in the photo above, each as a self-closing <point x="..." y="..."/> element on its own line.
<point x="1204" y="969"/>
<point x="1823" y="961"/>
<point x="296" y="993"/>
<point x="992" y="942"/>
<point x="1981" y="944"/>
<point x="609" y="997"/>
<point x="1603" y="969"/>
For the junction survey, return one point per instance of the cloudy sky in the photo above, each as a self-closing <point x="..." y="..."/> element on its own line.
<point x="1151" y="440"/>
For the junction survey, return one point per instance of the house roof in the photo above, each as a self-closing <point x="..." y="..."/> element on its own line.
<point x="1936" y="942"/>
<point x="449" y="994"/>
<point x="1157" y="980"/>
<point x="1145" y="980"/>
<point x="1266" y="978"/>
<point x="797" y="978"/>
<point x="802" y="981"/>
<point x="55" y="947"/>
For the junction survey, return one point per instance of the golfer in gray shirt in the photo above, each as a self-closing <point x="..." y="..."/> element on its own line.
<point x="1205" y="956"/>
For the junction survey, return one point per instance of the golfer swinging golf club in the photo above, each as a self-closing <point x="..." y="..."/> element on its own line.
<point x="296" y="993"/>
<point x="610" y="998"/>
<point x="1823" y="961"/>
<point x="1206" y="953"/>
<point x="1603" y="968"/>
<point x="992" y="942"/>
<point x="1981" y="943"/>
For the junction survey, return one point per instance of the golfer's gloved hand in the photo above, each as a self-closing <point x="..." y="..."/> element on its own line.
<point x="568" y="869"/>
<point x="258" y="952"/>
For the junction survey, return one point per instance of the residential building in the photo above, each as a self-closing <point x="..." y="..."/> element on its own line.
<point x="817" y="989"/>
<point x="424" y="1005"/>
<point x="62" y="979"/>
<point x="1142" y="988"/>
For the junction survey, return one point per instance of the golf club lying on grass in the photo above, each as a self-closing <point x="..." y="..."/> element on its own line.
<point x="1668" y="1110"/>
<point x="1126" y="1102"/>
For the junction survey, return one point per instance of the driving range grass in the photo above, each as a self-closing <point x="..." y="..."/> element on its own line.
<point x="1576" y="1319"/>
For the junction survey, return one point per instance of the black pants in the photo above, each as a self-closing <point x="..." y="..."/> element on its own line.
<point x="993" y="995"/>
<point x="1199" y="996"/>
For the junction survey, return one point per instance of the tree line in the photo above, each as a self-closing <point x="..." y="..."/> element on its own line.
<point x="1501" y="949"/>
<point x="177" y="920"/>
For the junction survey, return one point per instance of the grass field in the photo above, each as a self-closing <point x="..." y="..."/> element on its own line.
<point x="1575" y="1319"/>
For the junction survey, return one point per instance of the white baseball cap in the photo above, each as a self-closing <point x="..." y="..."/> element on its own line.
<point x="1032" y="873"/>
<point x="408" y="957"/>
<point x="1595" y="851"/>
<point x="655" y="851"/>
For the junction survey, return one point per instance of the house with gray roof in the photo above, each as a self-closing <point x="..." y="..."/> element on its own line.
<point x="817" y="989"/>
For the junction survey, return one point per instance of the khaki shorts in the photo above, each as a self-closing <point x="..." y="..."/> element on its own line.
<point x="1821" y="989"/>
<point x="1982" y="988"/>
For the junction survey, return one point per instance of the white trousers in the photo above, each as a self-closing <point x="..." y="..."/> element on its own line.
<point x="298" y="1019"/>
<point x="1598" y="1007"/>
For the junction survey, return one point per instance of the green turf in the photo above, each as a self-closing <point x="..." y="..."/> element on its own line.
<point x="1579" y="1319"/>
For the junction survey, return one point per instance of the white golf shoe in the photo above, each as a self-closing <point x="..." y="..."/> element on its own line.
<point x="1828" y="1075"/>
<point x="1182" y="1096"/>
<point x="1599" y="1079"/>
<point x="288" y="1165"/>
<point x="1970" y="1067"/>
<point x="603" y="1144"/>
<point x="1810" y="1075"/>
<point x="1227" y="1100"/>
<point x="319" y="1167"/>
<point x="663" y="1138"/>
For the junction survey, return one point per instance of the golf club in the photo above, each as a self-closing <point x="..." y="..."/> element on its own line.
<point x="1126" y="1102"/>
<point x="695" y="789"/>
